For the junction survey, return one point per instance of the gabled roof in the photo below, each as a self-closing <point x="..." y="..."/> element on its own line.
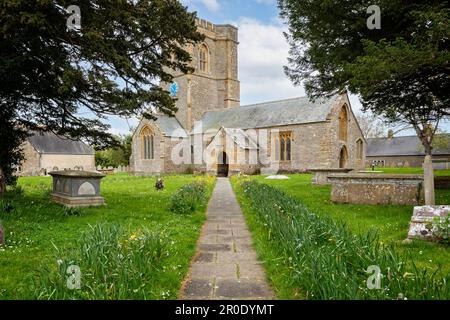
<point x="50" y="143"/>
<point x="269" y="114"/>
<point x="399" y="146"/>
<point x="170" y="126"/>
<point x="242" y="139"/>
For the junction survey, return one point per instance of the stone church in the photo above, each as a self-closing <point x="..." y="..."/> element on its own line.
<point x="212" y="133"/>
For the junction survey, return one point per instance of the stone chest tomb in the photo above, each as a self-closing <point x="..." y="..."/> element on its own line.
<point x="77" y="188"/>
<point x="377" y="189"/>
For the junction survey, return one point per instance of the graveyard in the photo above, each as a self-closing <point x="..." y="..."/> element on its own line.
<point x="158" y="237"/>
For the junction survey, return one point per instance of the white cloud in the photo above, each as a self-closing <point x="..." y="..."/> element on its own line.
<point x="263" y="52"/>
<point x="267" y="2"/>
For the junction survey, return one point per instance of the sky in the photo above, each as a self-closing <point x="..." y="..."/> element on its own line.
<point x="263" y="51"/>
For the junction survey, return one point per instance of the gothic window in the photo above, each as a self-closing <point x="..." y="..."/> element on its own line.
<point x="148" y="143"/>
<point x="283" y="144"/>
<point x="204" y="58"/>
<point x="343" y="124"/>
<point x="359" y="149"/>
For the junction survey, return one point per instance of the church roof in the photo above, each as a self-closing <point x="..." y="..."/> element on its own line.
<point x="399" y="146"/>
<point x="269" y="114"/>
<point x="242" y="139"/>
<point x="170" y="126"/>
<point x="50" y="143"/>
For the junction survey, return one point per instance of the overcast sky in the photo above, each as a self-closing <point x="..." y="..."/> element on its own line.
<point x="263" y="51"/>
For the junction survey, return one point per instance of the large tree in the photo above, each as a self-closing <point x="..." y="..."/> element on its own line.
<point x="400" y="71"/>
<point x="67" y="80"/>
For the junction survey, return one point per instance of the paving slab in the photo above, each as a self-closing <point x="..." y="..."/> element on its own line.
<point x="226" y="266"/>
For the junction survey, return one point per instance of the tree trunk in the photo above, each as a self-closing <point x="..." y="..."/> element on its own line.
<point x="428" y="170"/>
<point x="2" y="183"/>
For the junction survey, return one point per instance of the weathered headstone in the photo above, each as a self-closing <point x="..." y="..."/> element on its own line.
<point x="2" y="235"/>
<point x="422" y="218"/>
<point x="429" y="181"/>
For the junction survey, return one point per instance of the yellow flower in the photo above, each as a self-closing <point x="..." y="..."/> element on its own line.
<point x="133" y="237"/>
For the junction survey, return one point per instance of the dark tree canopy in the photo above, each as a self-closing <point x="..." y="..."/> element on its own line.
<point x="69" y="80"/>
<point x="400" y="71"/>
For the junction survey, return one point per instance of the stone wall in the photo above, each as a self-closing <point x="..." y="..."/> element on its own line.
<point x="377" y="189"/>
<point x="31" y="165"/>
<point x="140" y="166"/>
<point x="409" y="161"/>
<point x="216" y="88"/>
<point x="36" y="164"/>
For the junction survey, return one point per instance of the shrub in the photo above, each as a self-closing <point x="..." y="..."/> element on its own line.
<point x="114" y="264"/>
<point x="328" y="261"/>
<point x="441" y="229"/>
<point x="188" y="199"/>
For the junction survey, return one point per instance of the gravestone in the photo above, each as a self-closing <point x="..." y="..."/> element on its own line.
<point x="422" y="218"/>
<point x="2" y="235"/>
<point x="75" y="188"/>
<point x="429" y="181"/>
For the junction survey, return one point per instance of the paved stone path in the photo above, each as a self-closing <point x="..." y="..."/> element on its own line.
<point x="226" y="266"/>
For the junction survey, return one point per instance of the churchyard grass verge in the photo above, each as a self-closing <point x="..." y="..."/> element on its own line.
<point x="319" y="256"/>
<point x="44" y="238"/>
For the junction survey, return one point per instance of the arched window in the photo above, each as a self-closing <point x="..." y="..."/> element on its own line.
<point x="343" y="124"/>
<point x="359" y="149"/>
<point x="204" y="58"/>
<point x="147" y="143"/>
<point x="283" y="146"/>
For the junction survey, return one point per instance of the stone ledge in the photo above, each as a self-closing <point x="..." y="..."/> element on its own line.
<point x="79" y="201"/>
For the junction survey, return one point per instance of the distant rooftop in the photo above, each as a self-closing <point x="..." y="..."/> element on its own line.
<point x="50" y="143"/>
<point x="399" y="146"/>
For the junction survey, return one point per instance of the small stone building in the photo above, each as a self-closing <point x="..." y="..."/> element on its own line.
<point x="46" y="152"/>
<point x="212" y="133"/>
<point x="403" y="152"/>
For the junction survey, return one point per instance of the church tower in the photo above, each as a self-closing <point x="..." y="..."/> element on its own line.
<point x="214" y="84"/>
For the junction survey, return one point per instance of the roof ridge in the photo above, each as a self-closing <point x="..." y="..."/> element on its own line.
<point x="273" y="101"/>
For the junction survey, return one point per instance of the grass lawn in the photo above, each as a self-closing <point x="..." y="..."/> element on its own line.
<point x="39" y="233"/>
<point x="391" y="222"/>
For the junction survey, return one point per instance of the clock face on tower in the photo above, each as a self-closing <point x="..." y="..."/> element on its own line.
<point x="173" y="89"/>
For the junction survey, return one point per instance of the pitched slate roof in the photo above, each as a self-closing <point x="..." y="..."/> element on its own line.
<point x="399" y="146"/>
<point x="242" y="139"/>
<point x="50" y="143"/>
<point x="269" y="114"/>
<point x="170" y="126"/>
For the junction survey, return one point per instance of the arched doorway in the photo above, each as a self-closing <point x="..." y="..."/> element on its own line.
<point x="343" y="158"/>
<point x="223" y="166"/>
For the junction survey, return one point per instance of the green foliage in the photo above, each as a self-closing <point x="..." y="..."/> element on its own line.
<point x="68" y="211"/>
<point x="6" y="207"/>
<point x="399" y="71"/>
<point x="56" y="78"/>
<point x="114" y="264"/>
<point x="115" y="156"/>
<point x="39" y="234"/>
<point x="325" y="260"/>
<point x="188" y="199"/>
<point x="440" y="228"/>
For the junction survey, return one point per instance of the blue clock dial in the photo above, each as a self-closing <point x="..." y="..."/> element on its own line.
<point x="173" y="88"/>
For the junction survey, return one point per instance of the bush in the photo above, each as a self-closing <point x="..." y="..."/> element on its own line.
<point x="188" y="199"/>
<point x="328" y="261"/>
<point x="441" y="229"/>
<point x="113" y="263"/>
